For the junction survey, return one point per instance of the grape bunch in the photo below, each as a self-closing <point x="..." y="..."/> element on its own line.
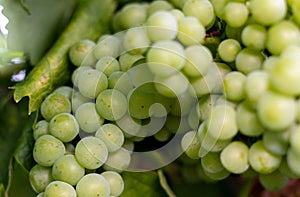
<point x="218" y="76"/>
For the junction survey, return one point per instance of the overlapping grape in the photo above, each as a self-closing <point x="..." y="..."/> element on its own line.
<point x="233" y="105"/>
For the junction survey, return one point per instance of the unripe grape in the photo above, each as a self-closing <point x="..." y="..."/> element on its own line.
<point x="59" y="188"/>
<point x="40" y="177"/>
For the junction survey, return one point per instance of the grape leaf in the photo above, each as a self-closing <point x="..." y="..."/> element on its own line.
<point x="144" y="184"/>
<point x="33" y="31"/>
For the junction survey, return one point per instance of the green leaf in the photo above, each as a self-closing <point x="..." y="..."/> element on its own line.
<point x="2" y="190"/>
<point x="33" y="30"/>
<point x="90" y="20"/>
<point x="144" y="184"/>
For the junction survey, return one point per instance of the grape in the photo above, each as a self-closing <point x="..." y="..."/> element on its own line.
<point x="59" y="188"/>
<point x="273" y="181"/>
<point x="64" y="126"/>
<point x="91" y="82"/>
<point x="281" y="35"/>
<point x="67" y="169"/>
<point x="107" y="45"/>
<point x="115" y="181"/>
<point x="158" y="5"/>
<point x="293" y="161"/>
<point x="162" y="135"/>
<point x="294" y="139"/>
<point x="276" y="143"/>
<point x="254" y="36"/>
<point x="234" y="86"/>
<point x="235" y="14"/>
<point x="40" y="177"/>
<point x="228" y="49"/>
<point x="42" y="194"/>
<point x="111" y="135"/>
<point x="79" y="52"/>
<point x="202" y="10"/>
<point x="91" y="152"/>
<point x="54" y="104"/>
<point x="221" y="124"/>
<point x="178" y="14"/>
<point x="111" y="104"/>
<point x="190" y="31"/>
<point x="65" y="90"/>
<point x="132" y="15"/>
<point x="190" y="144"/>
<point x="211" y="163"/>
<point x="269" y="63"/>
<point x="165" y="57"/>
<point x="267" y="12"/>
<point x="198" y="60"/>
<point x="276" y="111"/>
<point x="88" y="118"/>
<point x="234" y="157"/>
<point x="118" y="161"/>
<point x="247" y="120"/>
<point x="261" y="160"/>
<point x="107" y="65"/>
<point x="128" y="60"/>
<point x="284" y="76"/>
<point x="136" y="40"/>
<point x="77" y="100"/>
<point x="40" y="129"/>
<point x="93" y="185"/>
<point x="47" y="149"/>
<point x="76" y="73"/>
<point x="286" y="170"/>
<point x="248" y="60"/>
<point x="120" y="81"/>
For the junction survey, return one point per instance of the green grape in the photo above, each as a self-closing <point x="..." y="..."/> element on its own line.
<point x="172" y="86"/>
<point x="80" y="51"/>
<point x="65" y="90"/>
<point x="40" y="129"/>
<point x="67" y="169"/>
<point x="276" y="142"/>
<point x="118" y="161"/>
<point x="132" y="15"/>
<point x="76" y="72"/>
<point x="107" y="45"/>
<point x="228" y="49"/>
<point x="128" y="145"/>
<point x="120" y="81"/>
<point x="129" y="125"/>
<point x="202" y="10"/>
<point x="178" y="14"/>
<point x="128" y="60"/>
<point x="218" y="71"/>
<point x="91" y="82"/>
<point x="254" y="36"/>
<point x="193" y="118"/>
<point x="139" y="103"/>
<point x="158" y="5"/>
<point x="93" y="185"/>
<point x="161" y="25"/>
<point x="234" y="157"/>
<point x="198" y="60"/>
<point x="294" y="139"/>
<point x="204" y="85"/>
<point x="247" y="120"/>
<point x="201" y="174"/>
<point x="218" y="6"/>
<point x="190" y="31"/>
<point x="217" y="176"/>
<point x="293" y="161"/>
<point x="284" y="76"/>
<point x="221" y="124"/>
<point x="281" y="35"/>
<point x="190" y="144"/>
<point x="276" y="111"/>
<point x="54" y="104"/>
<point x="249" y="60"/>
<point x="269" y="63"/>
<point x="91" y="152"/>
<point x="212" y="163"/>
<point x="59" y="188"/>
<point x="111" y="104"/>
<point x="162" y="135"/>
<point x="77" y="100"/>
<point x="42" y="194"/>
<point x="165" y="57"/>
<point x="40" y="177"/>
<point x="111" y="135"/>
<point x="183" y="104"/>
<point x="274" y="181"/>
<point x="107" y="65"/>
<point x="235" y="14"/>
<point x="136" y="40"/>
<point x="267" y="12"/>
<point x="234" y="86"/>
<point x="88" y="118"/>
<point x="256" y="83"/>
<point x="261" y="160"/>
<point x="115" y="181"/>
<point x="47" y="149"/>
<point x="286" y="170"/>
<point x="64" y="126"/>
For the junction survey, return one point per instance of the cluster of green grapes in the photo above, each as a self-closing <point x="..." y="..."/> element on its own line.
<point x="235" y="108"/>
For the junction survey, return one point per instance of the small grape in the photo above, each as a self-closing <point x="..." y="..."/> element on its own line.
<point x="228" y="49"/>
<point x="40" y="177"/>
<point x="158" y="5"/>
<point x="107" y="65"/>
<point x="190" y="144"/>
<point x="59" y="188"/>
<point x="115" y="181"/>
<point x="234" y="86"/>
<point x="249" y="60"/>
<point x="65" y="90"/>
<point x="93" y="185"/>
<point x="40" y="129"/>
<point x="132" y="15"/>
<point x="273" y="181"/>
<point x="235" y="14"/>
<point x="107" y="45"/>
<point x="136" y="40"/>
<point x="79" y="52"/>
<point x="118" y="161"/>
